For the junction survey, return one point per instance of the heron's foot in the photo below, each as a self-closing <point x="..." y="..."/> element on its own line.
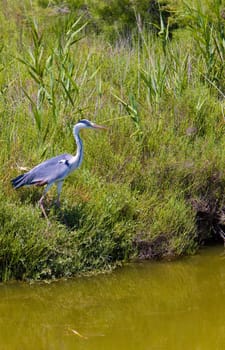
<point x="57" y="203"/>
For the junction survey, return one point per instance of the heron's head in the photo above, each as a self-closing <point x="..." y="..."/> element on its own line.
<point x="87" y="124"/>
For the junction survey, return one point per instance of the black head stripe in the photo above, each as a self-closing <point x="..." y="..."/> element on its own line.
<point x="85" y="121"/>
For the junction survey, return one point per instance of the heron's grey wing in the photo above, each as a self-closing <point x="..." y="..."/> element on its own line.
<point x="49" y="171"/>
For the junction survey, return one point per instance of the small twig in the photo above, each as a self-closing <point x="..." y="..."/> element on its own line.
<point x="77" y="333"/>
<point x="219" y="230"/>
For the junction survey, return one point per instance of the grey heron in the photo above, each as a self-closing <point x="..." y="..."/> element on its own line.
<point x="54" y="170"/>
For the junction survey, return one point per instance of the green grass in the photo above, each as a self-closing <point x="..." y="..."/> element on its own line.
<point x="152" y="186"/>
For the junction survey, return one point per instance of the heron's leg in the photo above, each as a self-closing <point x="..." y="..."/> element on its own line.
<point x="59" y="189"/>
<point x="42" y="198"/>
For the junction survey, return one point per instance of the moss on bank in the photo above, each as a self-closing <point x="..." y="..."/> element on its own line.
<point x="153" y="185"/>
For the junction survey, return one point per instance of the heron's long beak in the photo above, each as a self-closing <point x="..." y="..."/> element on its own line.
<point x="96" y="126"/>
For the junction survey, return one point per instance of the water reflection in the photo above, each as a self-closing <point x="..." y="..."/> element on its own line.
<point x="143" y="306"/>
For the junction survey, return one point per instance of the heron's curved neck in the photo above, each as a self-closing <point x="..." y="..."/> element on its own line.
<point x="77" y="159"/>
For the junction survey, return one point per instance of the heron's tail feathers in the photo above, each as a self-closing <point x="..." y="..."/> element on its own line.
<point x="19" y="181"/>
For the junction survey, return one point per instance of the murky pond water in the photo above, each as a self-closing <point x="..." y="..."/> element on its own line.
<point x="176" y="305"/>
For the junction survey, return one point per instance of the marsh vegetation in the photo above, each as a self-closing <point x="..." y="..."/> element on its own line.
<point x="153" y="185"/>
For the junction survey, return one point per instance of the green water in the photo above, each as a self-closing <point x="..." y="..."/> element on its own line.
<point x="176" y="305"/>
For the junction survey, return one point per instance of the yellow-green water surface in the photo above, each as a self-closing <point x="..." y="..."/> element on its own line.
<point x="163" y="305"/>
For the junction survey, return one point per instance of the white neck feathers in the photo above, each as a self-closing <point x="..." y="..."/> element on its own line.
<point x="77" y="159"/>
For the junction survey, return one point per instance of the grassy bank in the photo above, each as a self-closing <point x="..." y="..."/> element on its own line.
<point x="152" y="186"/>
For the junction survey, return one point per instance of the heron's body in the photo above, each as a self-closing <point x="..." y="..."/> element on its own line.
<point x="54" y="170"/>
<point x="50" y="171"/>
